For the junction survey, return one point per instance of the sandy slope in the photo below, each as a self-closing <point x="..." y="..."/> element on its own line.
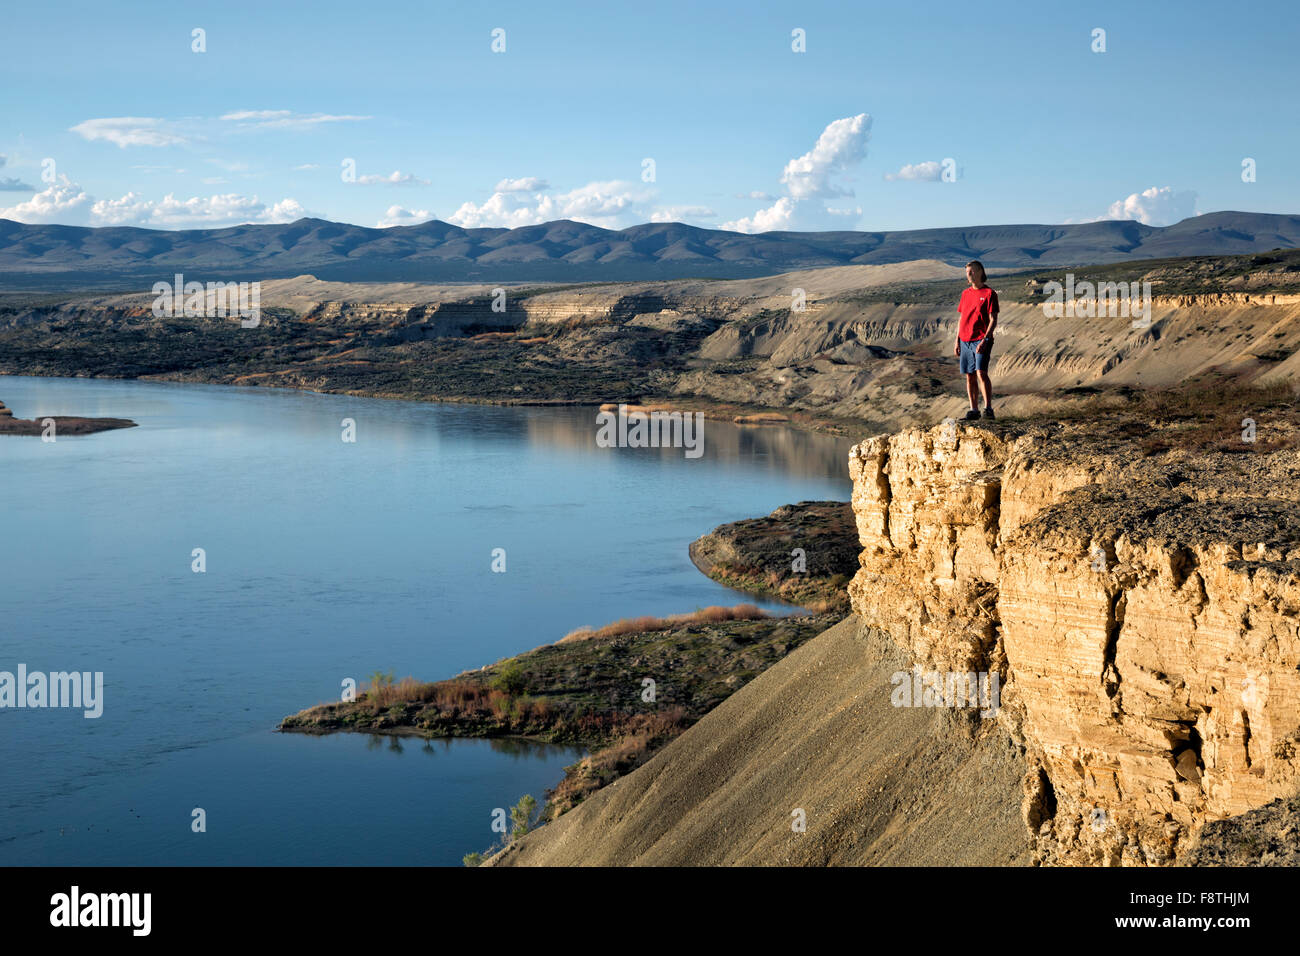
<point x="304" y="293"/>
<point x="832" y="281"/>
<point x="878" y="784"/>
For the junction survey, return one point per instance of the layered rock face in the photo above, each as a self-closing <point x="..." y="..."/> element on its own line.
<point x="1144" y="614"/>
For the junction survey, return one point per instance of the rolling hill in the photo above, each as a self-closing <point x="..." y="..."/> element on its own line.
<point x="44" y="256"/>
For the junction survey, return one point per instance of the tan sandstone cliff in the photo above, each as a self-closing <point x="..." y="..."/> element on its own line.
<point x="1144" y="613"/>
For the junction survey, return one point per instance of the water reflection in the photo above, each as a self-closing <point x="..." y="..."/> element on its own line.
<point x="517" y="748"/>
<point x="776" y="448"/>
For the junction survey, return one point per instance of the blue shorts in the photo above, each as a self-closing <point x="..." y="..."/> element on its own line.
<point x="973" y="360"/>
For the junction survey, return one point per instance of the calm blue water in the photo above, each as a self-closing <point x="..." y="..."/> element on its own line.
<point x="325" y="560"/>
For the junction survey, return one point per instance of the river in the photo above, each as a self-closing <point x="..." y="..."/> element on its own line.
<point x="324" y="560"/>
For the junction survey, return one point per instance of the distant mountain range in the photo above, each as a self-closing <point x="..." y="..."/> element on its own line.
<point x="33" y="256"/>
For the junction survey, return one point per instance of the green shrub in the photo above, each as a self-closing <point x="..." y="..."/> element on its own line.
<point x="522" y="815"/>
<point x="511" y="679"/>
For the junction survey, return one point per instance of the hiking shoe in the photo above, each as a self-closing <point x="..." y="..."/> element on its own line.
<point x="988" y="412"/>
<point x="972" y="415"/>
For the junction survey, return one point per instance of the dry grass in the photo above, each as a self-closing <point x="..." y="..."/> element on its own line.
<point x="826" y="605"/>
<point x="461" y="698"/>
<point x="1202" y="416"/>
<point x="639" y="625"/>
<point x="638" y="738"/>
<point x="456" y="696"/>
<point x="407" y="689"/>
<point x="459" y="694"/>
<point x="498" y="702"/>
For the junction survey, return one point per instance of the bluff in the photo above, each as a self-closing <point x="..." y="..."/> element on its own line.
<point x="1143" y="611"/>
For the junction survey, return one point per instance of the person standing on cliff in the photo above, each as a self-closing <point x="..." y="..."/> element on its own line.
<point x="978" y="309"/>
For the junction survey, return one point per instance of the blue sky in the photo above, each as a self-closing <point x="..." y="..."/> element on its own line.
<point x="744" y="132"/>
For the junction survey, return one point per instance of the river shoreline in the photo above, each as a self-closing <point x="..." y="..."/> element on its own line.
<point x="55" y="425"/>
<point x="699" y="660"/>
<point x="734" y="414"/>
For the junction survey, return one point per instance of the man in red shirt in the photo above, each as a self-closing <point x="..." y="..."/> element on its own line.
<point x="979" y="317"/>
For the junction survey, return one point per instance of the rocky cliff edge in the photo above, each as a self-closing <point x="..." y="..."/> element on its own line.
<point x="1142" y="611"/>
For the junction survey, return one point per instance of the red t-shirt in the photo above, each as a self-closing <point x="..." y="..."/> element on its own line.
<point x="977" y="306"/>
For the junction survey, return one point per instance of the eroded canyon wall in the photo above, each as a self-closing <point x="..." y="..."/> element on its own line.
<point x="1144" y="613"/>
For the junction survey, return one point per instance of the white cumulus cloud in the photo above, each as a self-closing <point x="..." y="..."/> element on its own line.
<point x="1157" y="206"/>
<point x="601" y="201"/>
<point x="777" y="216"/>
<point x="528" y="184"/>
<point x="605" y="204"/>
<point x="809" y="180"/>
<point x="198" y="211"/>
<point x="841" y="144"/>
<point x="400" y="216"/>
<point x="500" y="209"/>
<point x="62" y="202"/>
